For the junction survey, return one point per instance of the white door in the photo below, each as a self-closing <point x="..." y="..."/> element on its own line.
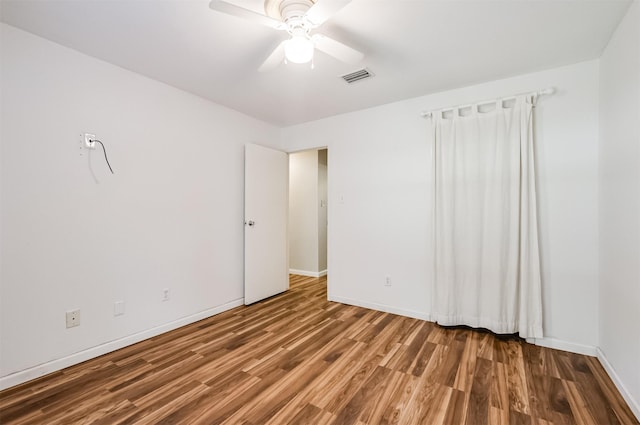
<point x="266" y="204"/>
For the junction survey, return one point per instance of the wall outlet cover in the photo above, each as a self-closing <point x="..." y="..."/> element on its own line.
<point x="73" y="318"/>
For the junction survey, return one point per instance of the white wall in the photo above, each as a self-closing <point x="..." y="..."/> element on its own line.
<point x="322" y="210"/>
<point x="170" y="216"/>
<point x="380" y="201"/>
<point x="308" y="212"/>
<point x="620" y="206"/>
<point x="303" y="212"/>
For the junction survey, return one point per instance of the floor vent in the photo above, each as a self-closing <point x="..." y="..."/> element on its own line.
<point x="357" y="76"/>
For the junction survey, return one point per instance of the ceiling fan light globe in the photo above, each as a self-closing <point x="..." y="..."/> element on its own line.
<point x="299" y="50"/>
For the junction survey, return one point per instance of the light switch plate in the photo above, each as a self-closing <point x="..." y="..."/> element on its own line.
<point x="118" y="308"/>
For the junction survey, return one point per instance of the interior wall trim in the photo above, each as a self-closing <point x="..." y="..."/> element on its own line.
<point x="382" y="307"/>
<point x="38" y="371"/>
<point x="559" y="344"/>
<point x="308" y="273"/>
<point x="634" y="405"/>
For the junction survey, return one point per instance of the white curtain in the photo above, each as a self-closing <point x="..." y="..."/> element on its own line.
<point x="487" y="266"/>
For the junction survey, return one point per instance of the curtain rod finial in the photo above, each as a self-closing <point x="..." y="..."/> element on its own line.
<point x="550" y="90"/>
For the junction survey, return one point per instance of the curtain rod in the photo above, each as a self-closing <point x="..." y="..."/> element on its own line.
<point x="547" y="91"/>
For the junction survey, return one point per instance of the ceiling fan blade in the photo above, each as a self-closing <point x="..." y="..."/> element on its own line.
<point x="336" y="49"/>
<point x="324" y="9"/>
<point x="275" y="58"/>
<point x="241" y="12"/>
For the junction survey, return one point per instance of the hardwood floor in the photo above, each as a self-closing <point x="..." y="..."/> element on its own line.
<point x="299" y="359"/>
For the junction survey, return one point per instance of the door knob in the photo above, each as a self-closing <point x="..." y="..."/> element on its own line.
<point x="250" y="223"/>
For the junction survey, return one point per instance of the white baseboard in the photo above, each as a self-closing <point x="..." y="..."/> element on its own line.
<point x="381" y="307"/>
<point x="307" y="273"/>
<point x="90" y="353"/>
<point x="558" y="344"/>
<point x="634" y="405"/>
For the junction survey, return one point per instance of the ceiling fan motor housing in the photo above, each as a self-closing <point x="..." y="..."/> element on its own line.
<point x="298" y="18"/>
<point x="289" y="11"/>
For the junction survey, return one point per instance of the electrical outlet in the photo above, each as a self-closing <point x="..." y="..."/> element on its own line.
<point x="165" y="294"/>
<point x="118" y="308"/>
<point x="89" y="141"/>
<point x="387" y="281"/>
<point x="73" y="318"/>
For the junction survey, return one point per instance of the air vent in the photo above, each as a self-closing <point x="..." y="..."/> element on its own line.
<point x="357" y="76"/>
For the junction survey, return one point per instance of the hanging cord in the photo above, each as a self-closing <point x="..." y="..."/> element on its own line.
<point x="105" y="154"/>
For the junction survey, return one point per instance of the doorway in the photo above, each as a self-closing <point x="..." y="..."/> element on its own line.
<point x="308" y="205"/>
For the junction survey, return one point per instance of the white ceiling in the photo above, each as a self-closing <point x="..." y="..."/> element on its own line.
<point x="414" y="47"/>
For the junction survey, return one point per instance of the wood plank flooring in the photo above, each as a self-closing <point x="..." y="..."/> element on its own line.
<point x="299" y="359"/>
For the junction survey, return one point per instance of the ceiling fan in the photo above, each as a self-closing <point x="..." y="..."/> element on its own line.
<point x="298" y="18"/>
